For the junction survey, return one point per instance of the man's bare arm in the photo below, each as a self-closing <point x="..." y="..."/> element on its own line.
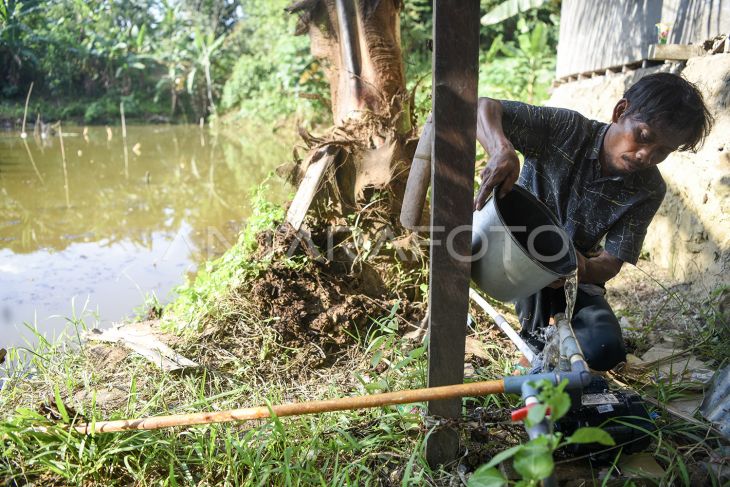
<point x="503" y="166"/>
<point x="594" y="270"/>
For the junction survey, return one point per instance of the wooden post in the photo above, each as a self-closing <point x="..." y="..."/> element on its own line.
<point x="455" y="69"/>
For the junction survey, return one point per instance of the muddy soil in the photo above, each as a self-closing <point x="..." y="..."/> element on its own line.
<point x="305" y="308"/>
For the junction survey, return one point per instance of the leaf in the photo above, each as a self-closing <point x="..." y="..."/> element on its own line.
<point x="509" y="8"/>
<point x="536" y="414"/>
<point x="591" y="435"/>
<point x="559" y="405"/>
<point x="486" y="477"/>
<point x="377" y="357"/>
<point x="171" y="480"/>
<point x="60" y="406"/>
<point x="534" y="462"/>
<point x="502" y="456"/>
<point x="216" y="43"/>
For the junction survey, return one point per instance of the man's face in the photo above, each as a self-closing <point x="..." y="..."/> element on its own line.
<point x="632" y="145"/>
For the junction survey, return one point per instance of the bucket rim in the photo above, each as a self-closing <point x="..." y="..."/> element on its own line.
<point x="553" y="219"/>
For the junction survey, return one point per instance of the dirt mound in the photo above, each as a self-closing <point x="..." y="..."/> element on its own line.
<point x="305" y="309"/>
<point x="314" y="304"/>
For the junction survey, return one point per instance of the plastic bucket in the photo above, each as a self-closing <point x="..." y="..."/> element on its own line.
<point x="518" y="246"/>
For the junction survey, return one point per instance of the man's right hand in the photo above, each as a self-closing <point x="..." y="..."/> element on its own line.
<point x="503" y="169"/>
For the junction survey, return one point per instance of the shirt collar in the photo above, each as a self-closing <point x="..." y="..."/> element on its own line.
<point x="595" y="153"/>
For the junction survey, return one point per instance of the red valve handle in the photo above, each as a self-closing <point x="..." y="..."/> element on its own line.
<point x="521" y="413"/>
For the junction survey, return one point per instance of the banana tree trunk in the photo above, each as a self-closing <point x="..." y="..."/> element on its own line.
<point x="358" y="44"/>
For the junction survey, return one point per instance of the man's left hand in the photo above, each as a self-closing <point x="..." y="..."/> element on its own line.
<point x="581" y="266"/>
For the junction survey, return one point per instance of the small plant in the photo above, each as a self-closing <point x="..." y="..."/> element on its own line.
<point x="534" y="460"/>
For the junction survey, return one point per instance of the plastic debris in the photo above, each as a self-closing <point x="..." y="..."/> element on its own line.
<point x="716" y="406"/>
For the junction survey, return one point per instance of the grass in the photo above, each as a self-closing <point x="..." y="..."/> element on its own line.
<point x="249" y="364"/>
<point x="347" y="447"/>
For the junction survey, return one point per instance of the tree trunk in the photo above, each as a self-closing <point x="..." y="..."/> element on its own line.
<point x="358" y="44"/>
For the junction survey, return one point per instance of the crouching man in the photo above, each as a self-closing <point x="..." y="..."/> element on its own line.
<point x="601" y="182"/>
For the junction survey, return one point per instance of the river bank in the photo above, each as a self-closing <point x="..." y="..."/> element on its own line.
<point x="80" y="111"/>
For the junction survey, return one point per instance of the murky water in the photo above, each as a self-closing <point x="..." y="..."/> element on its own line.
<point x="99" y="235"/>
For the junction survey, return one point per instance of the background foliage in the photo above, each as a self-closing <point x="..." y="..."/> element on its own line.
<point x="237" y="59"/>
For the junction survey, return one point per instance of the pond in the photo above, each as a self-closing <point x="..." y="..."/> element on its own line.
<point x="119" y="222"/>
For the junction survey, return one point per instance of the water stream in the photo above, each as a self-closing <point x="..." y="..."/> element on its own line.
<point x="571" y="294"/>
<point x="550" y="355"/>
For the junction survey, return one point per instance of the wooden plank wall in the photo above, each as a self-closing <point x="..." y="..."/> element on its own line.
<point x="600" y="34"/>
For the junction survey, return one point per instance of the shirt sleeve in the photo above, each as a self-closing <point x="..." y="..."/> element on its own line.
<point x="626" y="236"/>
<point x="530" y="128"/>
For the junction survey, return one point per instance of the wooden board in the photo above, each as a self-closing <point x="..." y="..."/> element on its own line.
<point x="455" y="70"/>
<point x="675" y="52"/>
<point x="310" y="184"/>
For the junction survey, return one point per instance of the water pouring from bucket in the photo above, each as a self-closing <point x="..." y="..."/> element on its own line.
<point x="518" y="246"/>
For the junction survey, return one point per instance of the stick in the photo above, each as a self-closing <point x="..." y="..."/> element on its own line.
<point x="124" y="141"/>
<point x="32" y="161"/>
<point x="63" y="159"/>
<point x="319" y="162"/>
<point x="25" y="112"/>
<point x="297" y="408"/>
<point x="419" y="178"/>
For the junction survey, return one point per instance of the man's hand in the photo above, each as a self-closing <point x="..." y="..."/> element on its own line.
<point x="593" y="270"/>
<point x="502" y="169"/>
<point x="582" y="263"/>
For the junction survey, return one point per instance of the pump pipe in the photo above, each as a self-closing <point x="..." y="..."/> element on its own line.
<point x="521" y="345"/>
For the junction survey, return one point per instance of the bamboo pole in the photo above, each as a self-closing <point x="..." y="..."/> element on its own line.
<point x="124" y="141"/>
<point x="297" y="408"/>
<point x="32" y="161"/>
<point x="23" y="134"/>
<point x="65" y="171"/>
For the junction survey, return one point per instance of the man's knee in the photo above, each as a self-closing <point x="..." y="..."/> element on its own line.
<point x="599" y="334"/>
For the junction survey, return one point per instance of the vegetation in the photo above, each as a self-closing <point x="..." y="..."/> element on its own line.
<point x="237" y="59"/>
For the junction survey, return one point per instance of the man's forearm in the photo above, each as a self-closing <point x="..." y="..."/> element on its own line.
<point x="598" y="270"/>
<point x="489" y="127"/>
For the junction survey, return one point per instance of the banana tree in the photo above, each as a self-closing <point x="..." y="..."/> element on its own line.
<point x="510" y="8"/>
<point x="205" y="46"/>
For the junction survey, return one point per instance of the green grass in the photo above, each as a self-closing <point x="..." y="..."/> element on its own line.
<point x="349" y="448"/>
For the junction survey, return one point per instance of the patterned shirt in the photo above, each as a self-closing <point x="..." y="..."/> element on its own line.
<point x="561" y="167"/>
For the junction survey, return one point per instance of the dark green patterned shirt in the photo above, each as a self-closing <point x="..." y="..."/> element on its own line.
<point x="561" y="149"/>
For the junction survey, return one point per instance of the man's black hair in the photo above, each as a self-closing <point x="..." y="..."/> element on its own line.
<point x="670" y="102"/>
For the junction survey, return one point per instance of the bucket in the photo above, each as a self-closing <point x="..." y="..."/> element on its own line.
<point x="518" y="246"/>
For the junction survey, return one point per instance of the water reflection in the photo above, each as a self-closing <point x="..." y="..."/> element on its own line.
<point x="123" y="233"/>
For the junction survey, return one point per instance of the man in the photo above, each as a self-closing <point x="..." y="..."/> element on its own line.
<point x="600" y="180"/>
